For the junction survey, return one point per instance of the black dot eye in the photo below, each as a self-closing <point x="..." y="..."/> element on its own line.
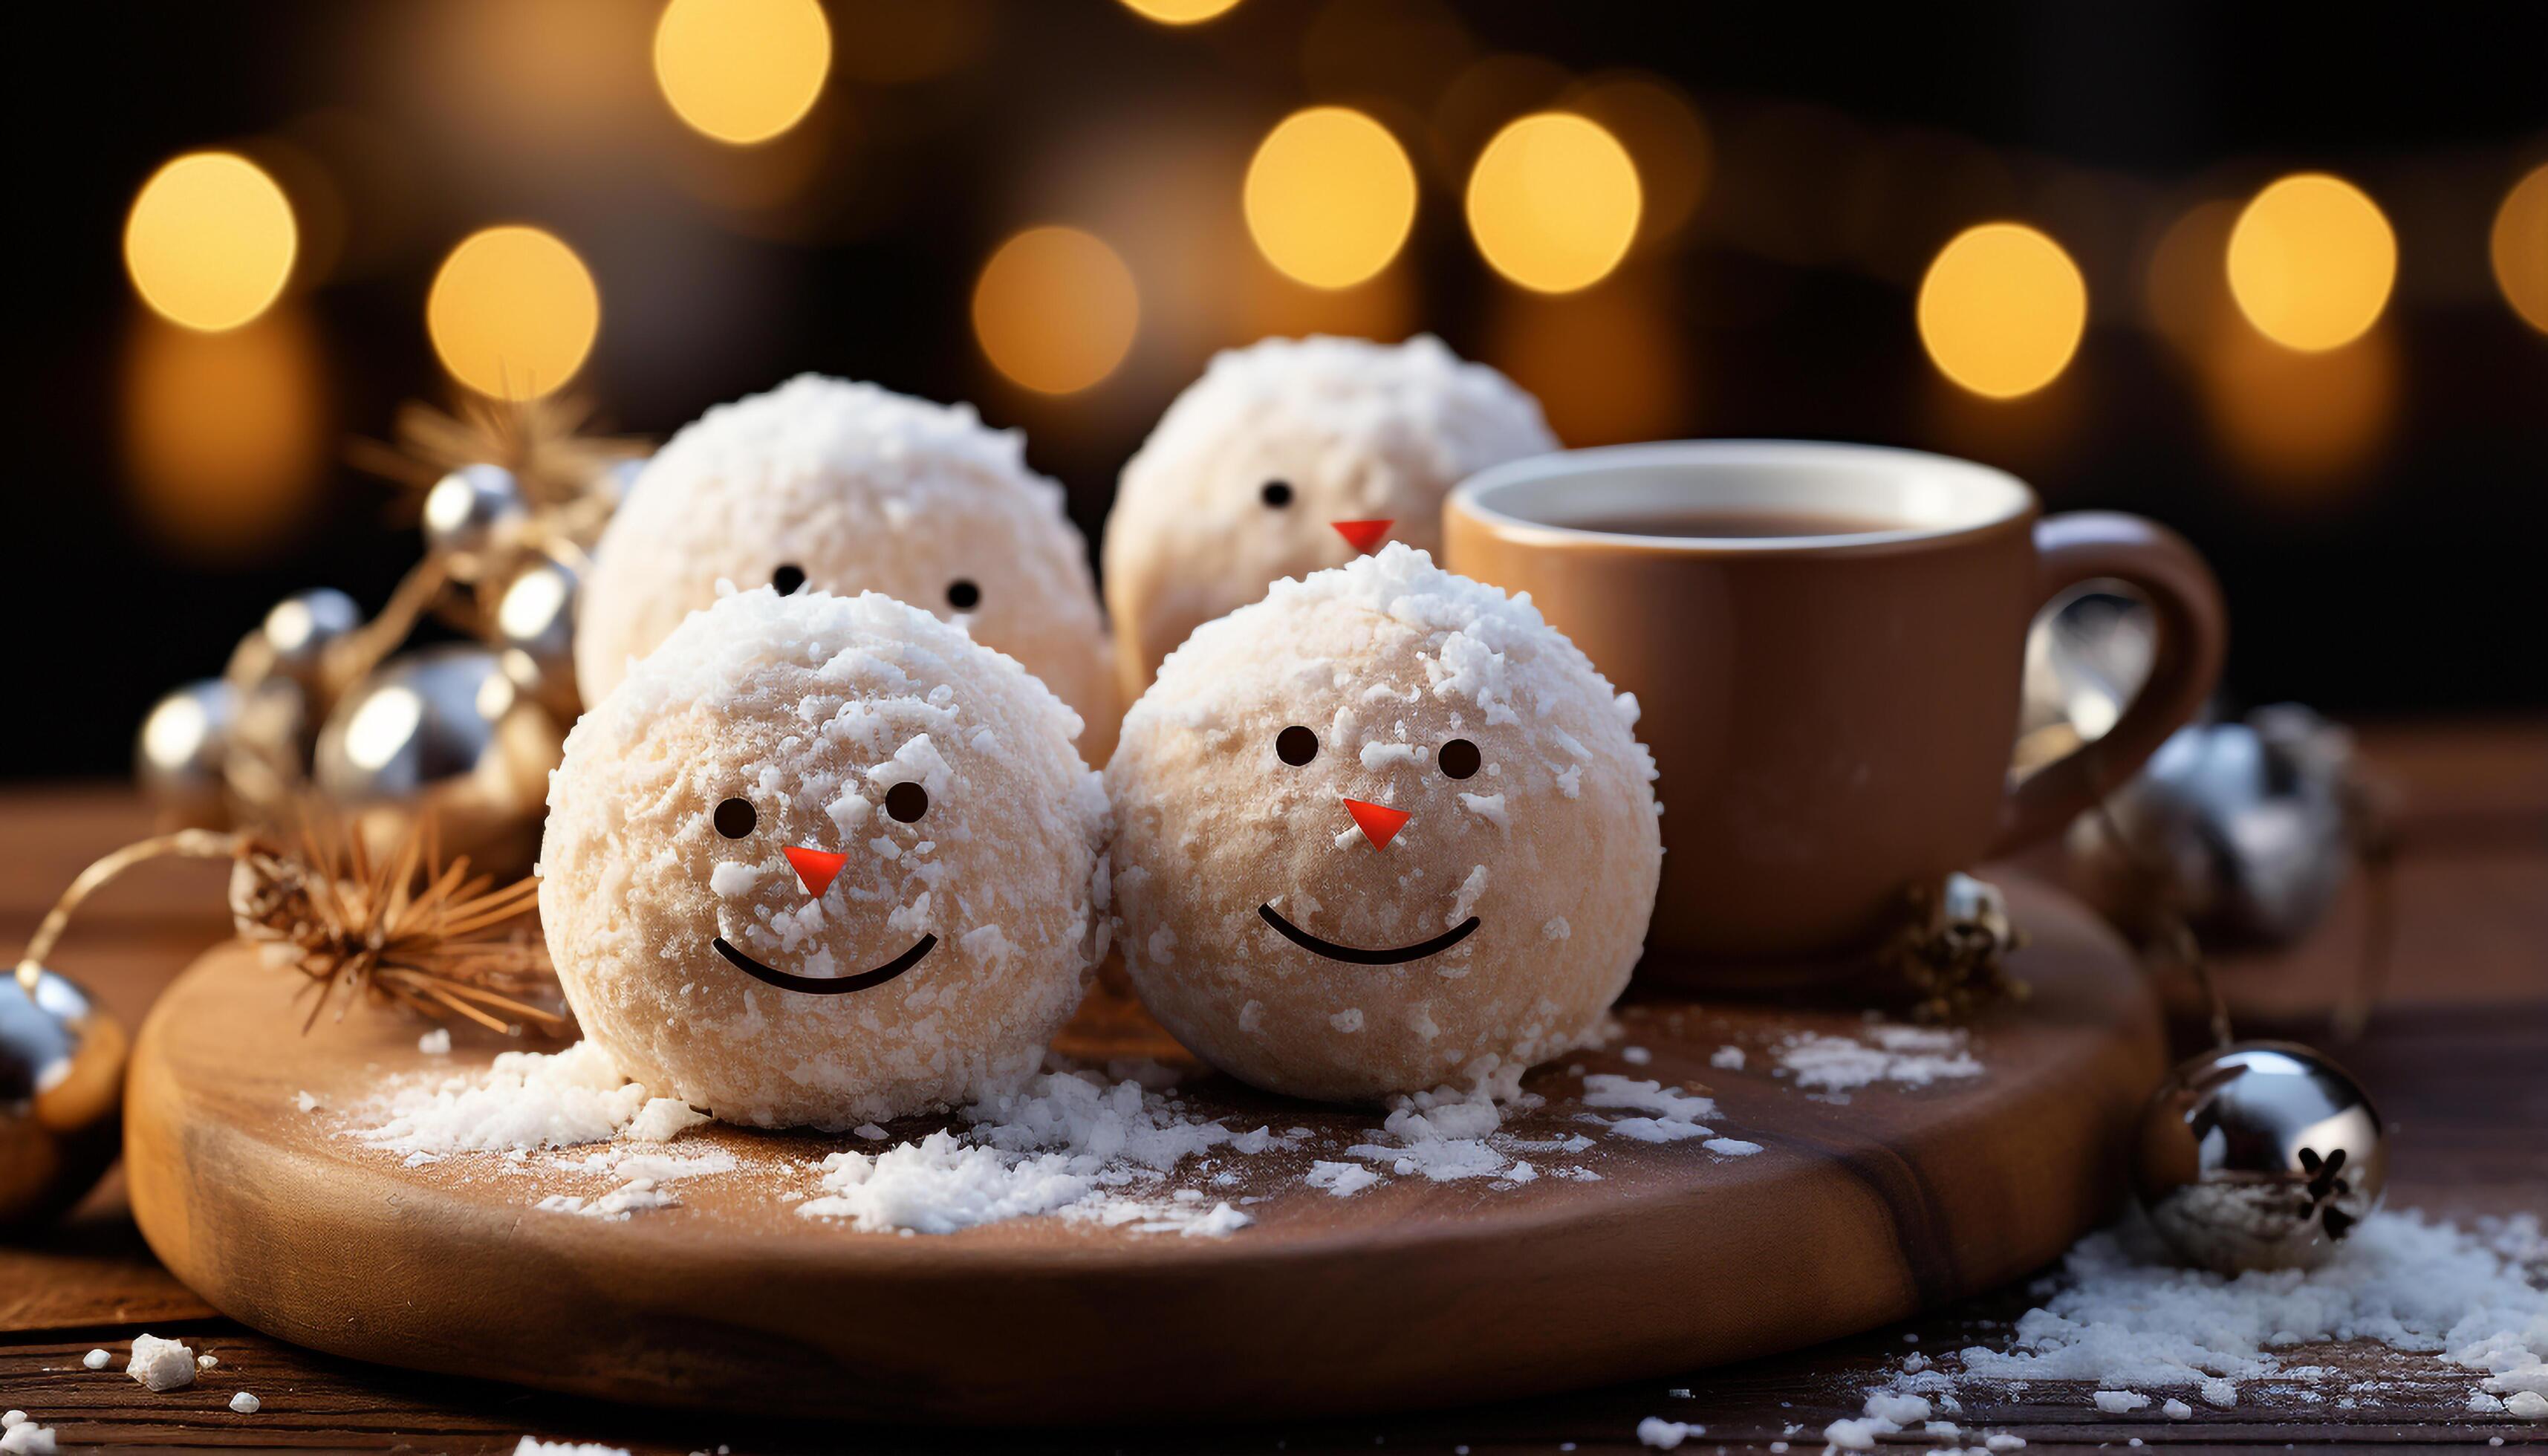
<point x="963" y="594"/>
<point x="1458" y="758"/>
<point x="736" y="818"/>
<point x="787" y="579"/>
<point x="1295" y="745"/>
<point x="906" y="802"/>
<point x="1277" y="494"/>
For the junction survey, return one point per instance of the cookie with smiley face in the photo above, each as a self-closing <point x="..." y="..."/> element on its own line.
<point x="827" y="485"/>
<point x="823" y="861"/>
<point x="1383" y="831"/>
<point x="1287" y="456"/>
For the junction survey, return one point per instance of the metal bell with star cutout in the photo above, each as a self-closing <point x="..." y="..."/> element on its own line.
<point x="2259" y="1155"/>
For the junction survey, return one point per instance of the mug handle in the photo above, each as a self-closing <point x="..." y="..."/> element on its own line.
<point x="2084" y="546"/>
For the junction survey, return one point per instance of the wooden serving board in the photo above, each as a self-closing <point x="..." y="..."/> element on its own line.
<point x="1857" y="1213"/>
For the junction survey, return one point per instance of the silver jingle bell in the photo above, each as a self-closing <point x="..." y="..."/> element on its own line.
<point x="442" y="732"/>
<point x="61" y="1094"/>
<point x="178" y="756"/>
<point x="2243" y="826"/>
<point x="302" y="627"/>
<point x="2259" y="1155"/>
<point x="534" y="623"/>
<point x="473" y="511"/>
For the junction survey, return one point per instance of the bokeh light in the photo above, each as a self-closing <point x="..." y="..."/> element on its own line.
<point x="513" y="313"/>
<point x="226" y="435"/>
<point x="2520" y="247"/>
<point x="210" y="240"/>
<point x="1179" y="12"/>
<point x="1665" y="136"/>
<point x="2312" y="261"/>
<point x="1055" y="310"/>
<point x="742" y="70"/>
<point x="1553" y="202"/>
<point x="1329" y="197"/>
<point x="2002" y="308"/>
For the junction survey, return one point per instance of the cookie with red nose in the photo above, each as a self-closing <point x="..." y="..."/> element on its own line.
<point x="1382" y="831"/>
<point x="1289" y="456"/>
<point x="823" y="861"/>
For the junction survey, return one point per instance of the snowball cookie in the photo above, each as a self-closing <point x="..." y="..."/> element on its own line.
<point x="1383" y="831"/>
<point x="849" y="487"/>
<point x="823" y="861"/>
<point x="1250" y="472"/>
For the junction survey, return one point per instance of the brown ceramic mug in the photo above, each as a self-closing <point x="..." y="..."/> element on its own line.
<point x="1827" y="642"/>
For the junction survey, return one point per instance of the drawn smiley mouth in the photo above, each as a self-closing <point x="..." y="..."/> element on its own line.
<point x="1355" y="955"/>
<point x="827" y="985"/>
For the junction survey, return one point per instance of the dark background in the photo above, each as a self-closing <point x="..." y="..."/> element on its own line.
<point x="2379" y="520"/>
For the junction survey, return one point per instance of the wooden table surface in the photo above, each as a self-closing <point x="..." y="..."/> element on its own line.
<point x="2456" y="1054"/>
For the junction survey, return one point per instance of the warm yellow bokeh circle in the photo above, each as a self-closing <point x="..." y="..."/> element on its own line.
<point x="210" y="240"/>
<point x="1553" y="202"/>
<point x="2519" y="245"/>
<point x="1179" y="12"/>
<point x="1055" y="310"/>
<point x="2312" y="261"/>
<point x="2002" y="310"/>
<point x="742" y="70"/>
<point x="1329" y="197"/>
<point x="513" y="313"/>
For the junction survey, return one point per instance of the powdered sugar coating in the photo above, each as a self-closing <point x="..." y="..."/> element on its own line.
<point x="811" y="709"/>
<point x="1211" y="823"/>
<point x="862" y="490"/>
<point x="1357" y="430"/>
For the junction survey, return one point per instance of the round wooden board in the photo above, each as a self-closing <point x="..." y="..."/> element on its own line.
<point x="1857" y="1211"/>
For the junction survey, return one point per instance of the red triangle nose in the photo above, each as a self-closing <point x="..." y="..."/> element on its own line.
<point x="1380" y="823"/>
<point x="816" y="867"/>
<point x="1362" y="536"/>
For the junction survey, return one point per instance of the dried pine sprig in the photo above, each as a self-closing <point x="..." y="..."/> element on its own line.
<point x="403" y="928"/>
<point x="541" y="441"/>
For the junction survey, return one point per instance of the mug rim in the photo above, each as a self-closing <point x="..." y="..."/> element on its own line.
<point x="2016" y="502"/>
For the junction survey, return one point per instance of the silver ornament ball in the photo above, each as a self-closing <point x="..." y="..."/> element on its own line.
<point x="442" y="732"/>
<point x="178" y="755"/>
<point x="2244" y="825"/>
<point x="61" y="1094"/>
<point x="534" y="625"/>
<point x="472" y="510"/>
<point x="300" y="628"/>
<point x="2259" y="1155"/>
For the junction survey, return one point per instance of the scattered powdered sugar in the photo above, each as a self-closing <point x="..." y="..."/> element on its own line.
<point x="1664" y="1434"/>
<point x="96" y="1360"/>
<point x="24" y="1437"/>
<point x="527" y="1101"/>
<point x="1727" y="1058"/>
<point x="245" y="1403"/>
<point x="1069" y="1144"/>
<point x="1884" y="1051"/>
<point x="2122" y="1320"/>
<point x="1343" y="1180"/>
<point x="160" y="1364"/>
<point x="534" y="1446"/>
<point x="524" y="1100"/>
<point x="435" y="1042"/>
